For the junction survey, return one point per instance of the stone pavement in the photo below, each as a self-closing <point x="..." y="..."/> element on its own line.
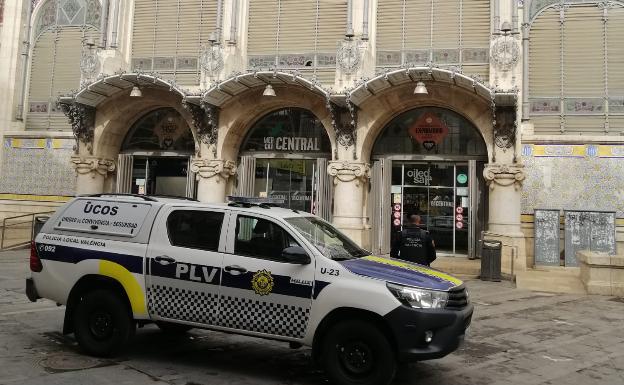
<point x="516" y="337"/>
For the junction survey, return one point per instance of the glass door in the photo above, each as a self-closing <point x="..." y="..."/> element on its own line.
<point x="439" y="194"/>
<point x="160" y="176"/>
<point x="287" y="179"/>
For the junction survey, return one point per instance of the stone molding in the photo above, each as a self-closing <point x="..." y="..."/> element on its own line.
<point x="345" y="171"/>
<point x="92" y="165"/>
<point x="209" y="168"/>
<point x="504" y="175"/>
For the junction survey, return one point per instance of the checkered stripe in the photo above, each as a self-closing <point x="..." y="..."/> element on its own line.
<point x="188" y="305"/>
<point x="263" y="317"/>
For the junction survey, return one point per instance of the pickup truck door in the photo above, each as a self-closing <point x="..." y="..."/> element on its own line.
<point x="260" y="292"/>
<point x="184" y="262"/>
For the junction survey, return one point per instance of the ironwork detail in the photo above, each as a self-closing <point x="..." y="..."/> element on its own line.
<point x="505" y="127"/>
<point x="344" y="122"/>
<point x="205" y="121"/>
<point x="505" y="52"/>
<point x="82" y="120"/>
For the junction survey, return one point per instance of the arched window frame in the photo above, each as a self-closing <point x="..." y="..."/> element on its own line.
<point x="548" y="111"/>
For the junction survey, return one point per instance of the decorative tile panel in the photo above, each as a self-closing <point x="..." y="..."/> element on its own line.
<point x="388" y="58"/>
<point x="446" y="56"/>
<point x="325" y="59"/>
<point x="417" y="56"/>
<point x="475" y="56"/>
<point x="186" y="64"/>
<point x="592" y="181"/>
<point x="296" y="60"/>
<point x="38" y="167"/>
<point x="261" y="61"/>
<point x="545" y="106"/>
<point x="616" y="105"/>
<point x="144" y="64"/>
<point x="38" y="107"/>
<point x="583" y="106"/>
<point x="164" y="63"/>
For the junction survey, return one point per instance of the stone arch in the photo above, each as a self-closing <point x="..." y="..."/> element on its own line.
<point x="378" y="111"/>
<point x="240" y="114"/>
<point x="117" y="115"/>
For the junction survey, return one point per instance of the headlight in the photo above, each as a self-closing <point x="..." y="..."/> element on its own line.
<point x="419" y="298"/>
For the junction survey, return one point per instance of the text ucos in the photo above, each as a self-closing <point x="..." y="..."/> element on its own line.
<point x="100" y="209"/>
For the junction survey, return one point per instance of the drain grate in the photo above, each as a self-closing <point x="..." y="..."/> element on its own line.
<point x="64" y="362"/>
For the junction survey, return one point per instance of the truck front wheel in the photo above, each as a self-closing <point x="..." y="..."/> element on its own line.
<point x="102" y="323"/>
<point x="357" y="353"/>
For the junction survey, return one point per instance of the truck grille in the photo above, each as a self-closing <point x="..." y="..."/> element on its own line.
<point x="458" y="298"/>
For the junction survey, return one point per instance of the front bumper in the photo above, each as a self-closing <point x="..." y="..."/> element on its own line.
<point x="31" y="290"/>
<point x="409" y="326"/>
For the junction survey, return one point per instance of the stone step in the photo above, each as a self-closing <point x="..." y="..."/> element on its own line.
<point x="461" y="266"/>
<point x="551" y="279"/>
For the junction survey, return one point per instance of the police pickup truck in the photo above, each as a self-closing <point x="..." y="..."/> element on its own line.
<point x="251" y="268"/>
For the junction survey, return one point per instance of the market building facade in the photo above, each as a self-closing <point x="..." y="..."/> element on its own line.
<point x="469" y="112"/>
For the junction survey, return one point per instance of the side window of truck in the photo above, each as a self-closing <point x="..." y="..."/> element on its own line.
<point x="195" y="229"/>
<point x="260" y="238"/>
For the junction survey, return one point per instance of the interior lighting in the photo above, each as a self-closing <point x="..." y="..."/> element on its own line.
<point x="268" y="91"/>
<point x="420" y="89"/>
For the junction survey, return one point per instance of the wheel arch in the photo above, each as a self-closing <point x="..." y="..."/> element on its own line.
<point x="349" y="313"/>
<point x="85" y="285"/>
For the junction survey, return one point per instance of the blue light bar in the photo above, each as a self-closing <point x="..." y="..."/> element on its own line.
<point x="255" y="200"/>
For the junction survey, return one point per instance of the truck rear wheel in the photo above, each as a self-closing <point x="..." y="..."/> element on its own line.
<point x="102" y="323"/>
<point x="357" y="353"/>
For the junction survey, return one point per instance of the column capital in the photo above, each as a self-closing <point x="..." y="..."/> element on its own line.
<point x="92" y="165"/>
<point x="502" y="174"/>
<point x="346" y="171"/>
<point x="209" y="168"/>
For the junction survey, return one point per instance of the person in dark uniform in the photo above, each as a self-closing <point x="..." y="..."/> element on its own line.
<point x="414" y="244"/>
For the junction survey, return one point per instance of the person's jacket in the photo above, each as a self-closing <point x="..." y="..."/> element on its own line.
<point x="414" y="245"/>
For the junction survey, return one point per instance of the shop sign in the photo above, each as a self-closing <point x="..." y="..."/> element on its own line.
<point x="416" y="176"/>
<point x="429" y="130"/>
<point x="459" y="210"/>
<point x="437" y="201"/>
<point x="462" y="178"/>
<point x="286" y="143"/>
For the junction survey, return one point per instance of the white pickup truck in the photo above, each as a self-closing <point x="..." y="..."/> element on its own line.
<point x="243" y="267"/>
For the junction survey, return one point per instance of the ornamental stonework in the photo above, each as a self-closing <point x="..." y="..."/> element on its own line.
<point x="210" y="168"/>
<point x="504" y="175"/>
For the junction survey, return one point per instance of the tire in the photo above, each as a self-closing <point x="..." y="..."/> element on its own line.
<point x="357" y="353"/>
<point x="173" y="328"/>
<point x="103" y="324"/>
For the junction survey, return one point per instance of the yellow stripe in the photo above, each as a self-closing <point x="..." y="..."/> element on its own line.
<point x="29" y="197"/>
<point x="420" y="269"/>
<point x="129" y="283"/>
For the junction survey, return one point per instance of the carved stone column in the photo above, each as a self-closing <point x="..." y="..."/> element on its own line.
<point x="212" y="177"/>
<point x="91" y="172"/>
<point x="505" y="194"/>
<point x="350" y="185"/>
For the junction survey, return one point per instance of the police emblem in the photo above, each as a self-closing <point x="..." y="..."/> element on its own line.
<point x="262" y="282"/>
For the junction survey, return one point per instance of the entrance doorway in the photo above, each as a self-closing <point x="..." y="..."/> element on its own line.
<point x="285" y="156"/>
<point x="155" y="156"/>
<point x="428" y="162"/>
<point x="160" y="176"/>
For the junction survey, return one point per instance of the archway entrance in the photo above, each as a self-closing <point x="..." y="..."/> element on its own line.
<point x="155" y="155"/>
<point x="285" y="156"/>
<point x="427" y="161"/>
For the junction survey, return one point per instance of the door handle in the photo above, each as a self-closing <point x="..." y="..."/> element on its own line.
<point x="235" y="268"/>
<point x="164" y="260"/>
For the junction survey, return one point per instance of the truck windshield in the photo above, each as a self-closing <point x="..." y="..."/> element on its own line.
<point x="329" y="241"/>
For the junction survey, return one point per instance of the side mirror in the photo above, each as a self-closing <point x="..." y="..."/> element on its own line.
<point x="297" y="255"/>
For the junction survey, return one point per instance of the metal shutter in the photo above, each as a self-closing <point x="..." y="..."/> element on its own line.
<point x="297" y="26"/>
<point x="544" y="54"/>
<point x="475" y="23"/>
<point x="332" y="24"/>
<point x="583" y="51"/>
<point x="168" y="35"/>
<point x="390" y="25"/>
<point x="418" y="25"/>
<point x="124" y="173"/>
<point x="41" y="80"/>
<point x="446" y="23"/>
<point x="615" y="63"/>
<point x="263" y="27"/>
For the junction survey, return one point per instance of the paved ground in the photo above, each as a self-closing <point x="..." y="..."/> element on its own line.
<point x="517" y="337"/>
